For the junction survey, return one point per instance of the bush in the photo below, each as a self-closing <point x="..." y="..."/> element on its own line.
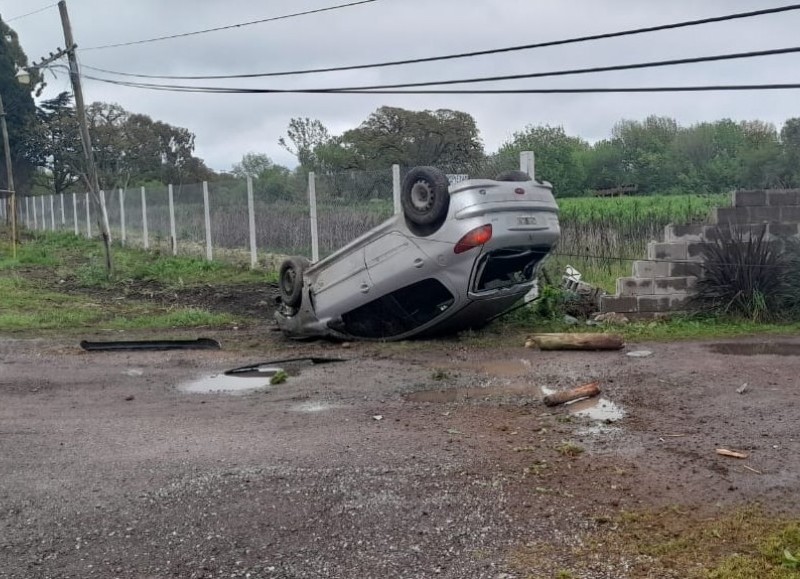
<point x="749" y="276"/>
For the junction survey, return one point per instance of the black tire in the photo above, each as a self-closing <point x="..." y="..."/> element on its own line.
<point x="514" y="176"/>
<point x="425" y="196"/>
<point x="290" y="280"/>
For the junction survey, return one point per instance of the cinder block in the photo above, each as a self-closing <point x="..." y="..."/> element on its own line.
<point x="783" y="230"/>
<point x="686" y="269"/>
<point x="779" y="197"/>
<point x="764" y="214"/>
<point x="654" y="303"/>
<point x="674" y="285"/>
<point x="694" y="251"/>
<point x="733" y="215"/>
<point x="684" y="233"/>
<point x="620" y="305"/>
<point x="651" y="269"/>
<point x="749" y="198"/>
<point x="676" y="251"/>
<point x="634" y="286"/>
<point x="790" y="214"/>
<point x="679" y="303"/>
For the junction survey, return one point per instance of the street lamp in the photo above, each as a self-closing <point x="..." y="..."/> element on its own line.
<point x="23" y="77"/>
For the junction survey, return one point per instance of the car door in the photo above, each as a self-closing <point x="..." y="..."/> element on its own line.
<point x="341" y="286"/>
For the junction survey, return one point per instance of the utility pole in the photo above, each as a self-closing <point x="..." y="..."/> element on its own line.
<point x="80" y="109"/>
<point x="9" y="171"/>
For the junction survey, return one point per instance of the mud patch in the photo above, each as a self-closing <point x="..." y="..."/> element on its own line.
<point x="756" y="349"/>
<point x="454" y="395"/>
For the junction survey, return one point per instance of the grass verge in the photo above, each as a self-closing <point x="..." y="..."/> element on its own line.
<point x="670" y="543"/>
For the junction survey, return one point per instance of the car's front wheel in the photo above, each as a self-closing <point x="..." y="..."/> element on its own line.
<point x="290" y="280"/>
<point x="425" y="196"/>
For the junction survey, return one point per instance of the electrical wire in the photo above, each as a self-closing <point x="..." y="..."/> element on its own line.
<point x="592" y="90"/>
<point x="230" y="26"/>
<point x="576" y="71"/>
<point x="672" y="26"/>
<point x="32" y="13"/>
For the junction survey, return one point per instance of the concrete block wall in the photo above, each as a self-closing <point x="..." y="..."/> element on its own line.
<point x="664" y="281"/>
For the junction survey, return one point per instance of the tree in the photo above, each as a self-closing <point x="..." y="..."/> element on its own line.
<point x="558" y="156"/>
<point x="392" y="135"/>
<point x="60" y="142"/>
<point x="645" y="151"/>
<point x="273" y="181"/>
<point x="305" y="136"/>
<point x="20" y="112"/>
<point x="790" y="139"/>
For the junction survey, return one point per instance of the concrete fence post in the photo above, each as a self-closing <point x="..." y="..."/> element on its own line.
<point x="145" y="233"/>
<point x="63" y="214"/>
<point x="396" y="189"/>
<point x="173" y="237"/>
<point x="88" y="217"/>
<point x="52" y="213"/>
<point x="312" y="203"/>
<point x="75" y="213"/>
<point x="44" y="214"/>
<point x="122" y="235"/>
<point x="527" y="163"/>
<point x="207" y="215"/>
<point x="27" y="214"/>
<point x="251" y="218"/>
<point x="35" y="214"/>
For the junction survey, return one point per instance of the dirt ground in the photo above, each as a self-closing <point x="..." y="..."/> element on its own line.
<point x="432" y="459"/>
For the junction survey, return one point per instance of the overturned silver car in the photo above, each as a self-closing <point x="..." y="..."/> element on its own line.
<point x="455" y="258"/>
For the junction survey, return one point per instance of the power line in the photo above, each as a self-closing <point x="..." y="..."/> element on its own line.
<point x="32" y="13"/>
<point x="230" y="26"/>
<point x="672" y="26"/>
<point x="375" y="90"/>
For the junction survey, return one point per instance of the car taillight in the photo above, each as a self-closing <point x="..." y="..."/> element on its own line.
<point x="477" y="237"/>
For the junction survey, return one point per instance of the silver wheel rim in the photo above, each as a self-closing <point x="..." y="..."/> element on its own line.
<point x="422" y="196"/>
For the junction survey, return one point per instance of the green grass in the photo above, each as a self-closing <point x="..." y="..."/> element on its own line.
<point x="32" y="301"/>
<point x="746" y="544"/>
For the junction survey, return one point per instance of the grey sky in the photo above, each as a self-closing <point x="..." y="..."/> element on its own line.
<point x="227" y="126"/>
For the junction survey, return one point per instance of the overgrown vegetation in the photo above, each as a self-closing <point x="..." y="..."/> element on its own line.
<point x="751" y="276"/>
<point x="747" y="544"/>
<point x="35" y="298"/>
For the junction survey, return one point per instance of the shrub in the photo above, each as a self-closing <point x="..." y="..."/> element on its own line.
<point x="749" y="276"/>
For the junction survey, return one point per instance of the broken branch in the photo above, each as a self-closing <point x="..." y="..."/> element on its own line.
<point x="586" y="391"/>
<point x="731" y="453"/>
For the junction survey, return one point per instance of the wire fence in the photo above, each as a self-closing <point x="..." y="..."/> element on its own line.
<point x="246" y="220"/>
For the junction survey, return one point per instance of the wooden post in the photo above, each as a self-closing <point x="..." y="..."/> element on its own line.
<point x="251" y="214"/>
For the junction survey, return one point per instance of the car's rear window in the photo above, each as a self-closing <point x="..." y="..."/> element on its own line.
<point x="400" y="311"/>
<point x="508" y="267"/>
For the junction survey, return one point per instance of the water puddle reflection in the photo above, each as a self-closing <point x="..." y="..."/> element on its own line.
<point x="222" y="383"/>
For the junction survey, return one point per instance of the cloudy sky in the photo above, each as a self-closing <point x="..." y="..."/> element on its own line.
<point x="227" y="126"/>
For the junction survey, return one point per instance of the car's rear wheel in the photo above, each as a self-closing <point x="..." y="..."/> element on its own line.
<point x="425" y="196"/>
<point x="514" y="176"/>
<point x="290" y="280"/>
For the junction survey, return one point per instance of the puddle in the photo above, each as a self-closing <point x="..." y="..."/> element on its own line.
<point x="226" y="384"/>
<point x="505" y="368"/>
<point x="599" y="409"/>
<point x="756" y="349"/>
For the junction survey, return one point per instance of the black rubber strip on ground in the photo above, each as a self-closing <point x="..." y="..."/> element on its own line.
<point x="151" y="345"/>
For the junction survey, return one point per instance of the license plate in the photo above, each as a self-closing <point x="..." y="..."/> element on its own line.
<point x="526" y="220"/>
